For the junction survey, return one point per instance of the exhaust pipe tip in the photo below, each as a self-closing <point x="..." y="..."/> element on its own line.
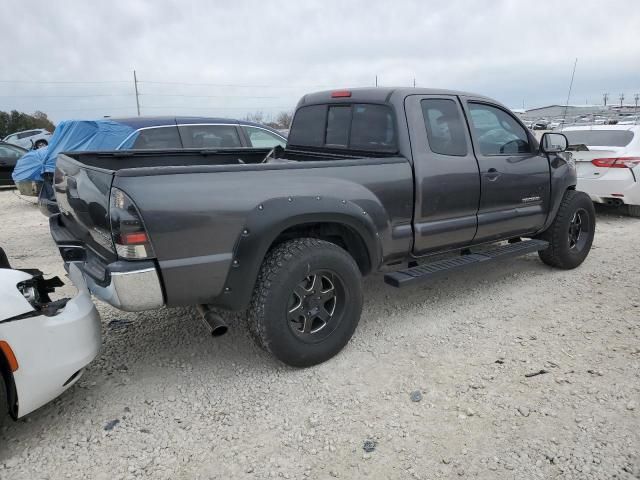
<point x="214" y="322"/>
<point x="218" y="326"/>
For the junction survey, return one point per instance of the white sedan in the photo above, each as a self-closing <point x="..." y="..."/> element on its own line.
<point x="44" y="344"/>
<point x="608" y="163"/>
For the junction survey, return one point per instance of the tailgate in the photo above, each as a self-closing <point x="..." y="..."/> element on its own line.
<point x="82" y="193"/>
<point x="588" y="170"/>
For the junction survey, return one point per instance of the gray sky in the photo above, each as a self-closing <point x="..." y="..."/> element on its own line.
<point x="263" y="55"/>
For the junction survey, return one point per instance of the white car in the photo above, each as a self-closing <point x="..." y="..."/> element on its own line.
<point x="44" y="345"/>
<point x="34" y="138"/>
<point x="608" y="163"/>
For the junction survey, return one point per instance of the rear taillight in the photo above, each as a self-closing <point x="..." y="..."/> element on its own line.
<point x="616" y="162"/>
<point x="127" y="229"/>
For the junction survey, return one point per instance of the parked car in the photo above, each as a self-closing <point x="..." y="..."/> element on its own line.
<point x="608" y="163"/>
<point x="9" y="155"/>
<point x="370" y="178"/>
<point x="138" y="133"/>
<point x="630" y="120"/>
<point x="44" y="344"/>
<point x="541" y="125"/>
<point x="36" y="138"/>
<point x="556" y="124"/>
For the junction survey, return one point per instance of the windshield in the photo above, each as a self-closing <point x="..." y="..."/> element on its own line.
<point x="599" y="138"/>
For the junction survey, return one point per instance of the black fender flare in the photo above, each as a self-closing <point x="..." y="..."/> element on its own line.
<point x="563" y="178"/>
<point x="269" y="219"/>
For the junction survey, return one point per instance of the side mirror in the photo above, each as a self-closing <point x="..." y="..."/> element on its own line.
<point x="553" y="143"/>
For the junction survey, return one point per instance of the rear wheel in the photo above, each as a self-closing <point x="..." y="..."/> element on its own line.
<point x="571" y="234"/>
<point x="307" y="301"/>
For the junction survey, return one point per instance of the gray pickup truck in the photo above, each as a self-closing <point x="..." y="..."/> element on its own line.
<point x="417" y="182"/>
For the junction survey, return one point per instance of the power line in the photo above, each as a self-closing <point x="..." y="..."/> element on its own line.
<point x="201" y="96"/>
<point x="168" y="107"/>
<point x="56" y="82"/>
<point x="70" y="96"/>
<point x="220" y="85"/>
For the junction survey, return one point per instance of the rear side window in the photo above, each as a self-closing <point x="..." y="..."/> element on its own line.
<point x="599" y="138"/>
<point x="210" y="136"/>
<point x="445" y="127"/>
<point x="366" y="127"/>
<point x="156" y="138"/>
<point x="260" y="138"/>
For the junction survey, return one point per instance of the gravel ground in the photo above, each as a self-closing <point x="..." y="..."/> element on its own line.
<point x="433" y="384"/>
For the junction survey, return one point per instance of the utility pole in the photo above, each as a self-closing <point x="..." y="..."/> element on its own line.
<point x="605" y="97"/>
<point x="621" y="99"/>
<point x="376" y="80"/>
<point x="636" y="97"/>
<point x="414" y="82"/>
<point x="135" y="84"/>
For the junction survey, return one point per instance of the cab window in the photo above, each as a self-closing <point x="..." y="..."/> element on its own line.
<point x="445" y="127"/>
<point x="497" y="132"/>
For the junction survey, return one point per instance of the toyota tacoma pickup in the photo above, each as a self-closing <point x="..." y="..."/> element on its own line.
<point x="416" y="182"/>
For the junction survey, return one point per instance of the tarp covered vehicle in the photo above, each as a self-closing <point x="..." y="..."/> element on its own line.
<point x="70" y="135"/>
<point x="44" y="344"/>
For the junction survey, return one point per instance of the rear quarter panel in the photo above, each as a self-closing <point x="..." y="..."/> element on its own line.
<point x="196" y="218"/>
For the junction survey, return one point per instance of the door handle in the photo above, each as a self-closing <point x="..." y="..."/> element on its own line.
<point x="492" y="174"/>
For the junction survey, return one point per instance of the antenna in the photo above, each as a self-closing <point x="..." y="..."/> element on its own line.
<point x="135" y="84"/>
<point x="566" y="105"/>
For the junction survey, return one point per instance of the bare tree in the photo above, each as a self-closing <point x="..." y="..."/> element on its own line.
<point x="284" y="119"/>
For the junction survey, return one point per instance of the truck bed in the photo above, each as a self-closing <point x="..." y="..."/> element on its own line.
<point x="155" y="159"/>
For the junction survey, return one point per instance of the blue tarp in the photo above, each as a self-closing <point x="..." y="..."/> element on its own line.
<point x="72" y="135"/>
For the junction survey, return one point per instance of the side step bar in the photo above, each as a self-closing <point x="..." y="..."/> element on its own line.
<point x="421" y="273"/>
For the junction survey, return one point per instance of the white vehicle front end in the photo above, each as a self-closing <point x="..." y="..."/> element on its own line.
<point x="44" y="347"/>
<point x="609" y="174"/>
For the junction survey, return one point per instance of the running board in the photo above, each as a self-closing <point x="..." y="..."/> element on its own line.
<point x="421" y="273"/>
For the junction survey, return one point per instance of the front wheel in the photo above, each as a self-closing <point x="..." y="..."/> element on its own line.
<point x="571" y="234"/>
<point x="307" y="301"/>
<point x="41" y="144"/>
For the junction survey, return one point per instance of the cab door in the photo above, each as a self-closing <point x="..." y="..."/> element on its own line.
<point x="446" y="175"/>
<point x="514" y="174"/>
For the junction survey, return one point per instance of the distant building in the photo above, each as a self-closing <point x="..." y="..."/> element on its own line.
<point x="572" y="111"/>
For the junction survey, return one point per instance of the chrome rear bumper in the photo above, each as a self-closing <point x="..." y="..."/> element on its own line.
<point x="132" y="291"/>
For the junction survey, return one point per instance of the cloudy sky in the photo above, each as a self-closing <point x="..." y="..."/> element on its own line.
<point x="75" y="59"/>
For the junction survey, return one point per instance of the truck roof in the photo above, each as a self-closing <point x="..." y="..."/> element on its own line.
<point x="378" y="94"/>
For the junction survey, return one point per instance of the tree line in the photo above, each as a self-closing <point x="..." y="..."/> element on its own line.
<point x="282" y="120"/>
<point x="15" y="121"/>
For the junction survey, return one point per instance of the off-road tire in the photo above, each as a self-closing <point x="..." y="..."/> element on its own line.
<point x="559" y="254"/>
<point x="282" y="270"/>
<point x="633" y="211"/>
